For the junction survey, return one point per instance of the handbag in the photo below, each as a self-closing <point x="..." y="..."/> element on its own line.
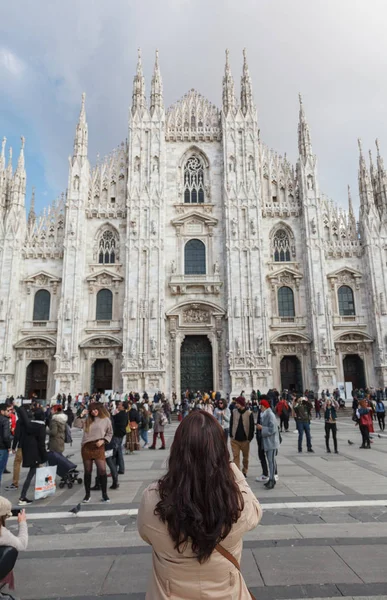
<point x="45" y="482"/>
<point x="133" y="425"/>
<point x="232" y="560"/>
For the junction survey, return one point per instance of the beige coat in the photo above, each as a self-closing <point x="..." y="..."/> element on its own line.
<point x="178" y="576"/>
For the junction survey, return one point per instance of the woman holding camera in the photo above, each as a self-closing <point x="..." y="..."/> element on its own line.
<point x="97" y="429"/>
<point x="20" y="541"/>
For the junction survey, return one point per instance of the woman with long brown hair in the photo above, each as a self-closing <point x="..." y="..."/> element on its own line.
<point x="196" y="515"/>
<point x="97" y="429"/>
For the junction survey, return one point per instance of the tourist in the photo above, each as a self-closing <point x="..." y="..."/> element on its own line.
<point x="302" y="412"/>
<point x="19" y="541"/>
<point x="132" y="437"/>
<point x="5" y="437"/>
<point x="330" y="415"/>
<point x="97" y="429"/>
<point x="317" y="408"/>
<point x="241" y="433"/>
<point x="207" y="405"/>
<point x="270" y="439"/>
<point x="196" y="515"/>
<point x="363" y="414"/>
<point x="33" y="445"/>
<point x="261" y="452"/>
<point x="160" y="420"/>
<point x="57" y="431"/>
<point x="283" y="410"/>
<point x="381" y="413"/>
<point x="222" y="415"/>
<point x="144" y="425"/>
<point x="120" y="423"/>
<point x="17" y="451"/>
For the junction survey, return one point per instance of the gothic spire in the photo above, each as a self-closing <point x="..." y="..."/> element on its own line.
<point x="20" y="170"/>
<point x="81" y="133"/>
<point x="31" y="214"/>
<point x="156" y="87"/>
<point x="304" y="138"/>
<point x="2" y="155"/>
<point x="228" y="88"/>
<point x="350" y="205"/>
<point x="9" y="166"/>
<point x="138" y="99"/>
<point x="380" y="163"/>
<point x="365" y="187"/>
<point x="247" y="101"/>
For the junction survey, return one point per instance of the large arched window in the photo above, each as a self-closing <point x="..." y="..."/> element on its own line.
<point x="346" y="301"/>
<point x="107" y="248"/>
<point x="194" y="258"/>
<point x="42" y="302"/>
<point x="194" y="181"/>
<point x="104" y="305"/>
<point x="281" y="246"/>
<point x="286" y="302"/>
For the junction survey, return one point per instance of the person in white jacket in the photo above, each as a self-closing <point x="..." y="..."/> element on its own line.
<point x="223" y="415"/>
<point x="20" y="541"/>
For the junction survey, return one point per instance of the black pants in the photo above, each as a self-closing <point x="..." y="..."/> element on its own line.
<point x="381" y="417"/>
<point x="30" y="475"/>
<point x="284" y="421"/>
<point x="330" y="427"/>
<point x="365" y="434"/>
<point x="262" y="458"/>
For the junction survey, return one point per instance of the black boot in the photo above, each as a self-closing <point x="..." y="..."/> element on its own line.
<point x="328" y="450"/>
<point x="96" y="487"/>
<point x="87" y="483"/>
<point x="270" y="484"/>
<point x="103" y="480"/>
<point x="115" y="485"/>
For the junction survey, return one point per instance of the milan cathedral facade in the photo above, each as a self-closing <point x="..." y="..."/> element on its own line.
<point x="192" y="257"/>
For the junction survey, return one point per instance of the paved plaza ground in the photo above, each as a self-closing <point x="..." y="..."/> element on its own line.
<point x="323" y="533"/>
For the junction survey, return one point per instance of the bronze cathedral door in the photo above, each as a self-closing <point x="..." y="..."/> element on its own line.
<point x="196" y="364"/>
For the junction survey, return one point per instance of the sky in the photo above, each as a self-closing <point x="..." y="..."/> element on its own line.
<point x="332" y="51"/>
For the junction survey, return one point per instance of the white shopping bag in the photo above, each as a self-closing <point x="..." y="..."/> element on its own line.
<point x="45" y="482"/>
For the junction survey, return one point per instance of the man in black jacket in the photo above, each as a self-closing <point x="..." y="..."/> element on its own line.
<point x="5" y="437"/>
<point x="241" y="433"/>
<point x="33" y="447"/>
<point x="120" y="422"/>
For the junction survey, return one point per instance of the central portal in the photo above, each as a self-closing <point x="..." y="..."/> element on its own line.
<point x="101" y="376"/>
<point x="196" y="364"/>
<point x="291" y="376"/>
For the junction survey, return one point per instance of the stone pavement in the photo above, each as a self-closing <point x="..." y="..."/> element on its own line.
<point x="323" y="534"/>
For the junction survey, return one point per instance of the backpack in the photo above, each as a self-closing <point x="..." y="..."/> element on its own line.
<point x="163" y="420"/>
<point x="68" y="436"/>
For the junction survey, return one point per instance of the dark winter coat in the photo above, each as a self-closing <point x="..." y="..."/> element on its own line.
<point x="5" y="433"/>
<point x="33" y="442"/>
<point x="57" y="433"/>
<point x="120" y="421"/>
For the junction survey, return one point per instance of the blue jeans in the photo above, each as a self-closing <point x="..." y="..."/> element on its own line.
<point x="119" y="456"/>
<point x="144" y="435"/>
<point x="270" y="454"/>
<point x="301" y="428"/>
<point x="3" y="461"/>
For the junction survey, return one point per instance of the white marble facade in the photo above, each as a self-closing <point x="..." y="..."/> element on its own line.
<point x="279" y="288"/>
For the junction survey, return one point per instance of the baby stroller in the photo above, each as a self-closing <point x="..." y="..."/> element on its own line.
<point x="65" y="469"/>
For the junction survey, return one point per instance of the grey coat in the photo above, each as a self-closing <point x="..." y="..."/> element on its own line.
<point x="270" y="435"/>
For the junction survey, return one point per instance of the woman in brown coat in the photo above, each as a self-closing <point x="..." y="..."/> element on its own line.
<point x="202" y="502"/>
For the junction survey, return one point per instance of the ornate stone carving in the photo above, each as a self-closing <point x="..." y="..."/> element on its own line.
<point x="196" y="315"/>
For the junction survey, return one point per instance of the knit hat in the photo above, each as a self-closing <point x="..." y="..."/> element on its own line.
<point x="265" y="403"/>
<point x="241" y="401"/>
<point x="5" y="507"/>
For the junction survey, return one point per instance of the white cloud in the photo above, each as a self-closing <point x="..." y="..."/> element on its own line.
<point x="335" y="53"/>
<point x="11" y="63"/>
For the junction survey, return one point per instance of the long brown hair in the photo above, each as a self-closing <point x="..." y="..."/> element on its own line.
<point x="199" y="497"/>
<point x="101" y="414"/>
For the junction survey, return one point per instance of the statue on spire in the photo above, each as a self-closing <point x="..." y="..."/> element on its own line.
<point x="138" y="99"/>
<point x="365" y="187"/>
<point x="2" y="155"/>
<point x="247" y="101"/>
<point x="304" y="137"/>
<point x="229" y="102"/>
<point x="81" y="133"/>
<point x="31" y="214"/>
<point x="156" y="100"/>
